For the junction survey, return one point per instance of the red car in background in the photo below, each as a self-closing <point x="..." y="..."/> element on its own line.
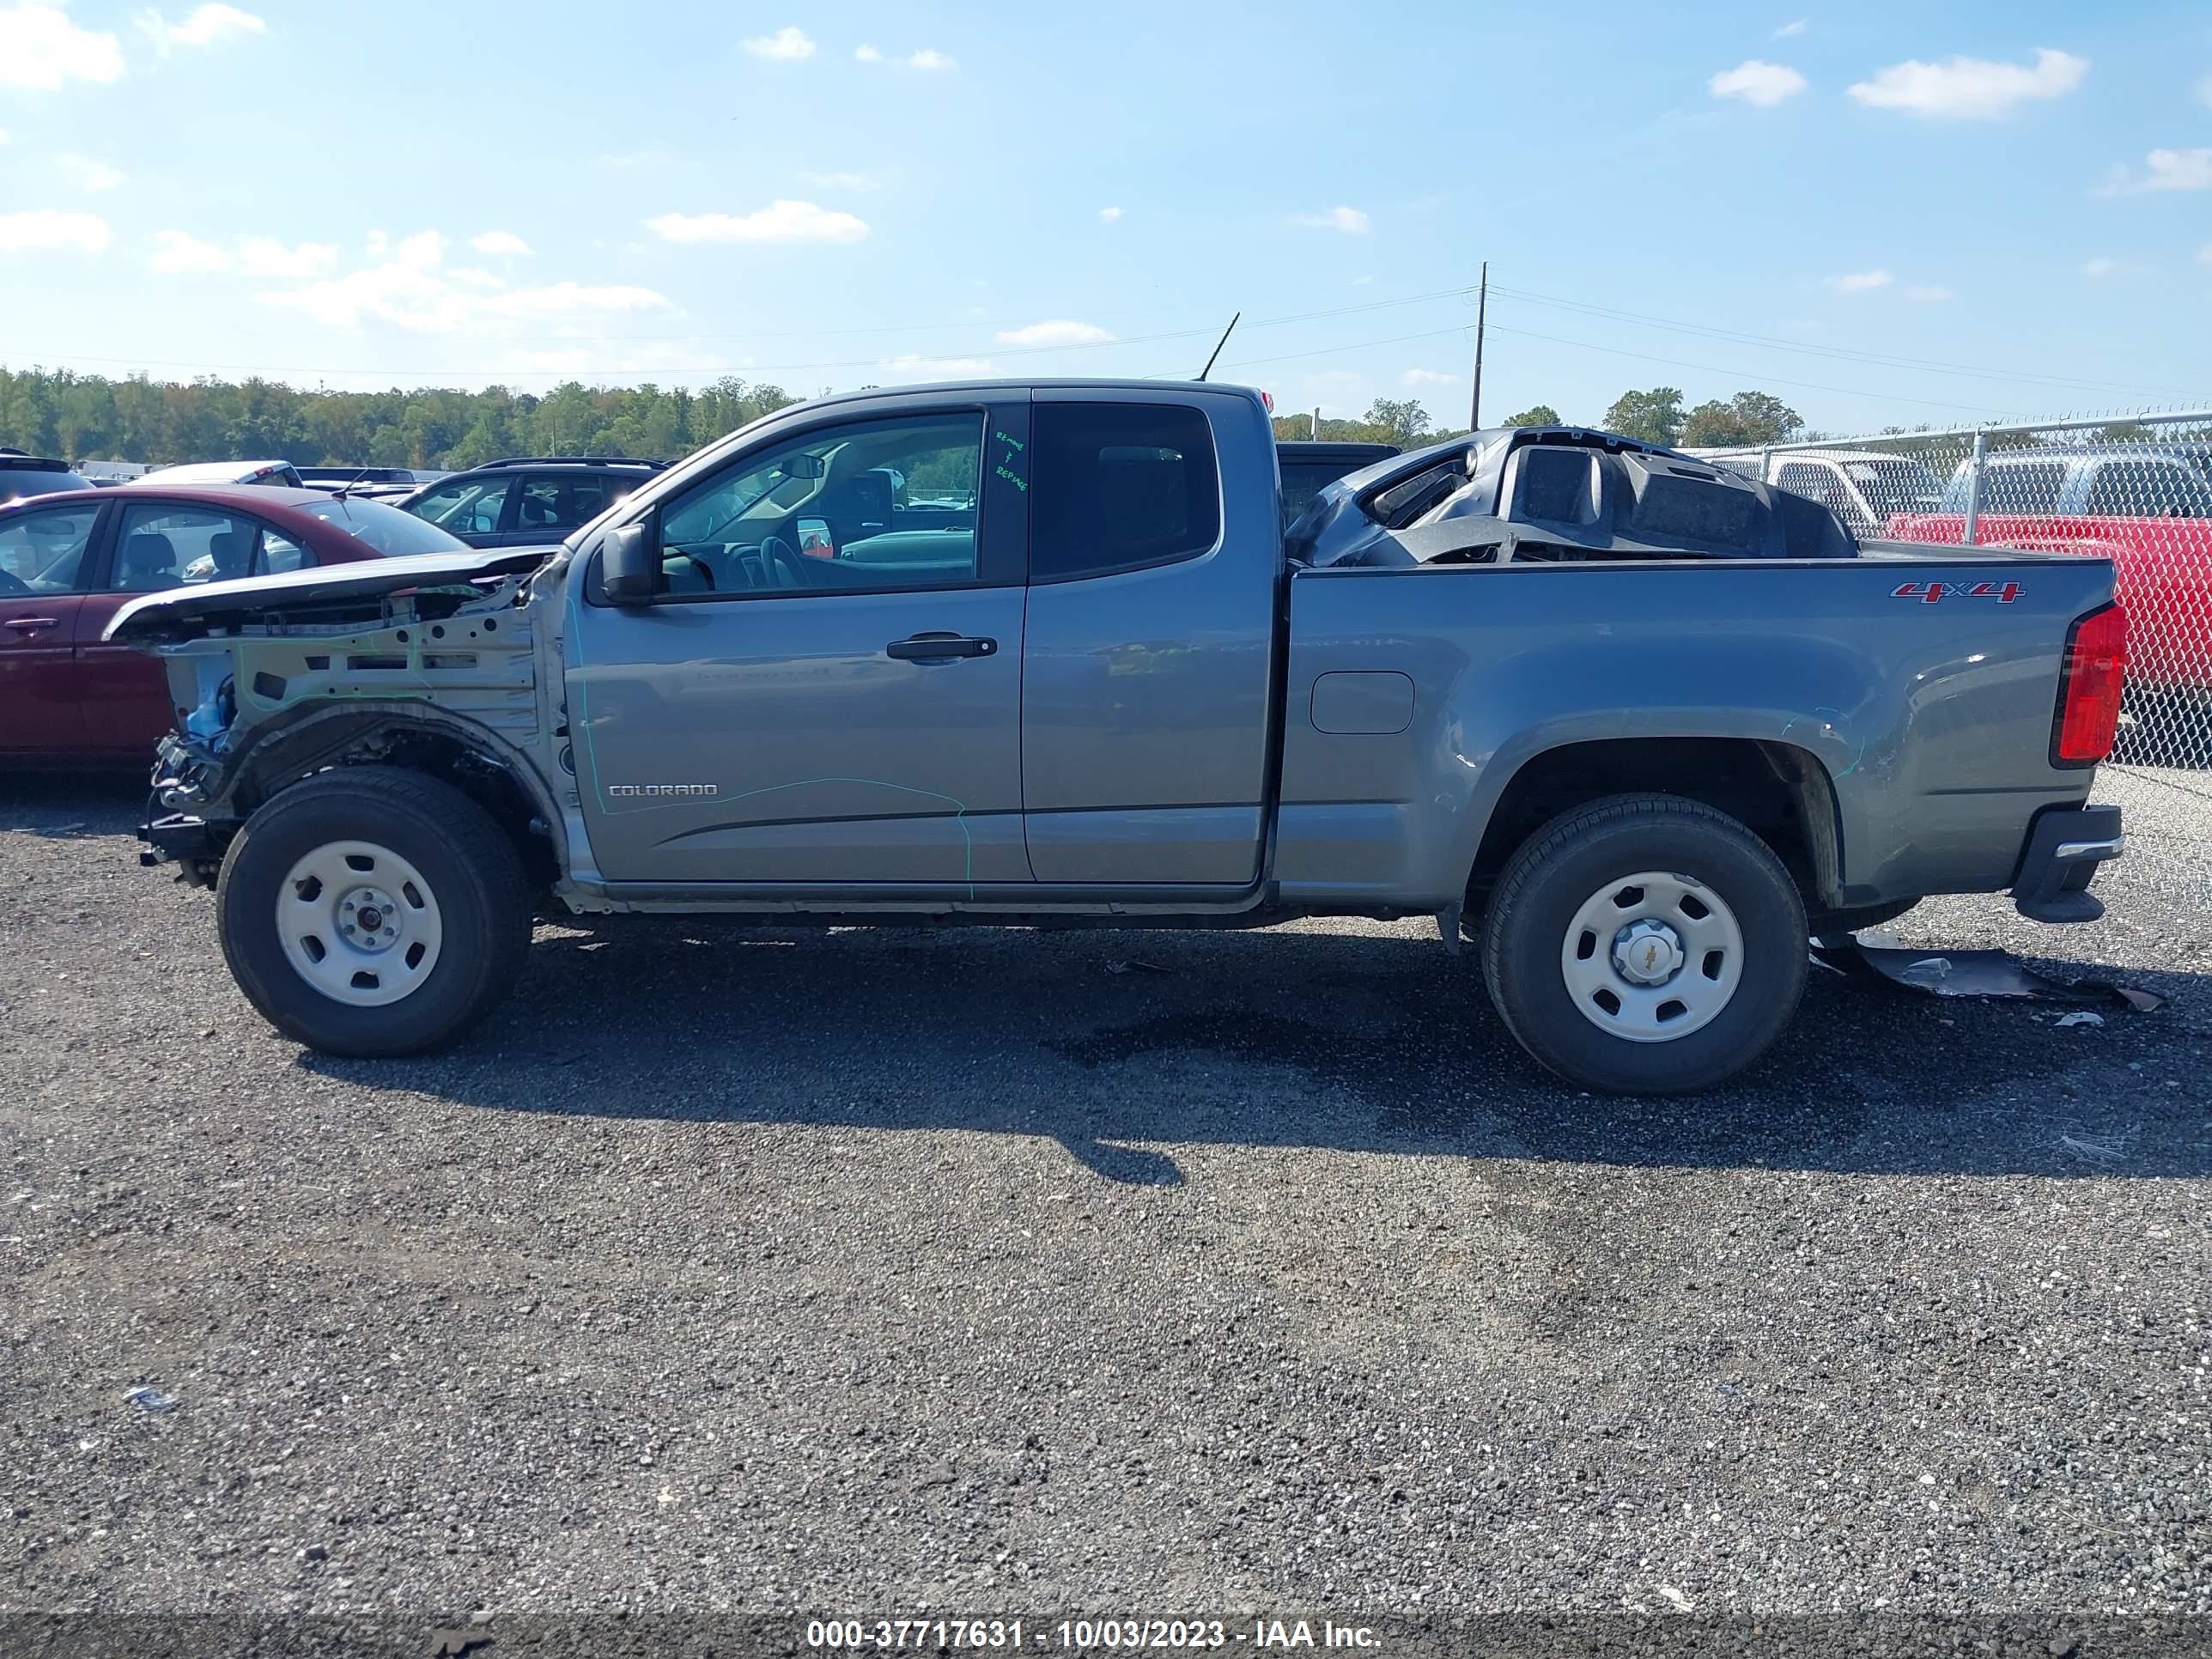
<point x="69" y="562"/>
<point x="2147" y="508"/>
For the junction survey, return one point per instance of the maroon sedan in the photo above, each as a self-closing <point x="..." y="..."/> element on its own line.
<point x="69" y="562"/>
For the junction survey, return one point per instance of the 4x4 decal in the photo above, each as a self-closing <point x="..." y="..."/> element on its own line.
<point x="1931" y="592"/>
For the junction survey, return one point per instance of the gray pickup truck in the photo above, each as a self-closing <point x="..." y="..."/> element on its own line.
<point x="1043" y="654"/>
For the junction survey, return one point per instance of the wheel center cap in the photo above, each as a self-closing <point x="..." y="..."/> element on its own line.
<point x="368" y="920"/>
<point x="1647" y="952"/>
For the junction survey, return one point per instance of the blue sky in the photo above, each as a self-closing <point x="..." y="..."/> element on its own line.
<point x="1847" y="206"/>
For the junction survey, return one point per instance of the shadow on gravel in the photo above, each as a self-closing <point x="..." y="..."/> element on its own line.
<point x="71" y="804"/>
<point x="1353" y="1041"/>
<point x="1357" y="1042"/>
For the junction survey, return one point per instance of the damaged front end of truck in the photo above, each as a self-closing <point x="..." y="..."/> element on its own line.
<point x="429" y="662"/>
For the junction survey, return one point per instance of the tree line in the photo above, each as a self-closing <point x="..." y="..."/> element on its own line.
<point x="90" y="416"/>
<point x="1657" y="415"/>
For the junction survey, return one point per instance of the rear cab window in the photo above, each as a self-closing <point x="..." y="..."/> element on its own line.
<point x="1119" y="487"/>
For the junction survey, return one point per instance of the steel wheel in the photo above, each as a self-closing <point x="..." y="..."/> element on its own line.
<point x="1652" y="958"/>
<point x="359" y="923"/>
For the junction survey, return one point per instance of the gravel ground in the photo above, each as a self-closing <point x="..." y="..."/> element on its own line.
<point x="869" y="1270"/>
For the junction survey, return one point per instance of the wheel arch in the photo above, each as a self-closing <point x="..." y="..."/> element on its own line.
<point x="416" y="737"/>
<point x="1778" y="791"/>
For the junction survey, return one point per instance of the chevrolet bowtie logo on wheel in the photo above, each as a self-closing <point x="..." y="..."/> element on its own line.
<point x="630" y="791"/>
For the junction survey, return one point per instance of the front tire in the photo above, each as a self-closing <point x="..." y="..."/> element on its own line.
<point x="372" y="911"/>
<point x="1645" y="944"/>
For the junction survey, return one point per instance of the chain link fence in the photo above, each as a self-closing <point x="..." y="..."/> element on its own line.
<point x="2135" y="489"/>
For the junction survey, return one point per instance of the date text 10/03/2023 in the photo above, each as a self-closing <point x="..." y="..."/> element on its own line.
<point x="1083" y="1635"/>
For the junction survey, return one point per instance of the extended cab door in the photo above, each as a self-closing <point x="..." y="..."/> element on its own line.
<point x="847" y="716"/>
<point x="1150" y="671"/>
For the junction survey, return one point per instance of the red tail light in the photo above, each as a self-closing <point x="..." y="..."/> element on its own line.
<point x="2089" y="688"/>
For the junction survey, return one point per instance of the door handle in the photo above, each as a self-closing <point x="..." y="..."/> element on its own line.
<point x="940" y="648"/>
<point x="31" y="624"/>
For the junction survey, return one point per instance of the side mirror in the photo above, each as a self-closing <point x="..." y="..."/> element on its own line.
<point x="630" y="565"/>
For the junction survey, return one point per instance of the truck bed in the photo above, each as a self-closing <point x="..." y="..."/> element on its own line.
<point x="1922" y="685"/>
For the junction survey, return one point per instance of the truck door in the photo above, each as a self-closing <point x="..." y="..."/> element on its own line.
<point x="1149" y="672"/>
<point x="849" y="715"/>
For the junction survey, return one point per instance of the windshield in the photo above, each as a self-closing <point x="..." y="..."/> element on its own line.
<point x="386" y="529"/>
<point x="15" y="483"/>
<point x="1899" y="486"/>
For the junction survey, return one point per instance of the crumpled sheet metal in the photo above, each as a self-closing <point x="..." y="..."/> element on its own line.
<point x="1977" y="974"/>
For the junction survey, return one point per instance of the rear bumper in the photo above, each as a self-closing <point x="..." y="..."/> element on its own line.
<point x="2063" y="850"/>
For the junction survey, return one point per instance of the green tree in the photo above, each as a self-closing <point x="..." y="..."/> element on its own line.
<point x="1535" y="415"/>
<point x="1402" y="421"/>
<point x="1749" y="418"/>
<point x="1655" y="415"/>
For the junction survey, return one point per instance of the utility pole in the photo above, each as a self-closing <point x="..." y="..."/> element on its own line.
<point x="1481" y="313"/>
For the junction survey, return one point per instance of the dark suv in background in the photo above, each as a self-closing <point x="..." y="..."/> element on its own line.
<point x="534" y="498"/>
<point x="22" y="475"/>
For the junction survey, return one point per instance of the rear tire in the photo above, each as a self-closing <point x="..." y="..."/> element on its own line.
<point x="439" y="888"/>
<point x="1645" y="944"/>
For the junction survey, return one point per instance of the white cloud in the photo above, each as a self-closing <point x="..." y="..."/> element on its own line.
<point x="175" y="251"/>
<point x="1859" y="282"/>
<point x="930" y="58"/>
<point x="39" y="229"/>
<point x="1413" y="376"/>
<point x="844" y="180"/>
<point x="867" y="54"/>
<point x="1106" y="216"/>
<point x="1756" y="82"/>
<point x="1361" y="282"/>
<point x="1973" y="89"/>
<point x="2204" y="254"/>
<point x="410" y="289"/>
<point x="1055" y="331"/>
<point x="89" y="174"/>
<point x="500" y="244"/>
<point x="41" y="49"/>
<point x="2203" y="90"/>
<point x="2103" y="266"/>
<point x="203" y="26"/>
<point x="265" y="256"/>
<point x="912" y="367"/>
<point x="1788" y="29"/>
<point x="779" y="221"/>
<point x="2164" y="169"/>
<point x="575" y="299"/>
<point x="1349" y="220"/>
<point x="787" y="45"/>
<point x="1927" y="294"/>
<point x="3" y="135"/>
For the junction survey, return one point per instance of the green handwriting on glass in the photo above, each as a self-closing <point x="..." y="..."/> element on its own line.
<point x="1012" y="477"/>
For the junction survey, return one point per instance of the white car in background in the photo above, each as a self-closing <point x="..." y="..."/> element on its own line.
<point x="281" y="474"/>
<point x="1864" y="488"/>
